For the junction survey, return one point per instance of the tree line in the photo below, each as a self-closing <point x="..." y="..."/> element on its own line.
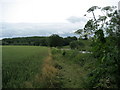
<point x="53" y="41"/>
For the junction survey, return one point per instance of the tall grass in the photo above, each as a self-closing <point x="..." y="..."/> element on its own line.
<point x="20" y="64"/>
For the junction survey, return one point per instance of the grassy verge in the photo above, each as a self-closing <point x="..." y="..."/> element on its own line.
<point x="49" y="76"/>
<point x="74" y="67"/>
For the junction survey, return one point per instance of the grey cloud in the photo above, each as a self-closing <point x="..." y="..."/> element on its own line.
<point x="38" y="29"/>
<point x="74" y="19"/>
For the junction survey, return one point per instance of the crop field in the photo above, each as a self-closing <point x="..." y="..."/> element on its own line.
<point x="20" y="64"/>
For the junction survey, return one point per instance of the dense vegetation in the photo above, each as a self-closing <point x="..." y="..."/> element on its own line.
<point x="74" y="67"/>
<point x="105" y="42"/>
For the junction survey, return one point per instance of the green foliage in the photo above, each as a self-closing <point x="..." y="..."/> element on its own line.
<point x="76" y="44"/>
<point x="55" y="51"/>
<point x="36" y="41"/>
<point x="68" y="40"/>
<point x="105" y="44"/>
<point x="81" y="45"/>
<point x="73" y="45"/>
<point x="55" y="40"/>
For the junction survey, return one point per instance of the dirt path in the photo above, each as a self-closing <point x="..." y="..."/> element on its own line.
<point x="46" y="77"/>
<point x="57" y="73"/>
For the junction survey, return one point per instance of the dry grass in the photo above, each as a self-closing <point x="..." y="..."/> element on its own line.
<point x="28" y="84"/>
<point x="48" y="70"/>
<point x="45" y="78"/>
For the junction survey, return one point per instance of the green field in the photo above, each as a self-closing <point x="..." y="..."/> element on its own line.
<point x="20" y="64"/>
<point x="43" y="67"/>
<point x="28" y="67"/>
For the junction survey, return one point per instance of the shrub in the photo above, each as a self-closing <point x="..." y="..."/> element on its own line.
<point x="76" y="45"/>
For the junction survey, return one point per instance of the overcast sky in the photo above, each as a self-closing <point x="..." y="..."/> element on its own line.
<point x="44" y="11"/>
<point x="49" y="11"/>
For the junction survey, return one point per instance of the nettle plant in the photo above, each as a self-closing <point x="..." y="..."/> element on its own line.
<point x="105" y="29"/>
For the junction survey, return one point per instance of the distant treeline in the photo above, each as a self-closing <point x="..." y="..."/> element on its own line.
<point x="52" y="41"/>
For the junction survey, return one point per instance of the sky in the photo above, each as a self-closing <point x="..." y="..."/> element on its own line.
<point x="69" y="14"/>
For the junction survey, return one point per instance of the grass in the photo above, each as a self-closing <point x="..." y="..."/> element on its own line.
<point x="74" y="67"/>
<point x="20" y="65"/>
<point x="48" y="77"/>
<point x="37" y="67"/>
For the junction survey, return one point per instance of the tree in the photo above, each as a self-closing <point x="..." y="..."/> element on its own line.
<point x="106" y="41"/>
<point x="69" y="39"/>
<point x="83" y="35"/>
<point x="55" y="40"/>
<point x="76" y="44"/>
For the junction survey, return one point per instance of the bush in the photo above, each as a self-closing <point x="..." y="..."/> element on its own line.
<point x="76" y="45"/>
